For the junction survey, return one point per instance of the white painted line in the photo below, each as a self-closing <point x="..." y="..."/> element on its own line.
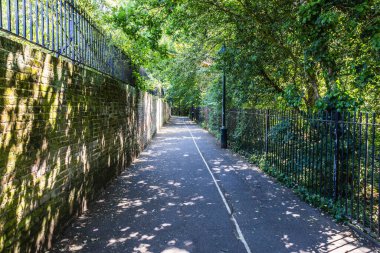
<point x="238" y="230"/>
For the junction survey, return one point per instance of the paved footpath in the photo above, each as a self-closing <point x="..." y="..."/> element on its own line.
<point x="184" y="194"/>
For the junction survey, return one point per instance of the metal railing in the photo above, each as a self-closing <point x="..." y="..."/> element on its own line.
<point x="62" y="27"/>
<point x="331" y="154"/>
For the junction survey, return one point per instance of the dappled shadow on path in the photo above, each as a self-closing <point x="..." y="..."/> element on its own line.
<point x="272" y="217"/>
<point x="167" y="203"/>
<point x="158" y="205"/>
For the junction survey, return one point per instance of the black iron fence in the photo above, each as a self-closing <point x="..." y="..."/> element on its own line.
<point x="335" y="155"/>
<point x="62" y="27"/>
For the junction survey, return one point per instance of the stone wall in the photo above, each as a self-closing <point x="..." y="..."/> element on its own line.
<point x="153" y="114"/>
<point x="65" y="131"/>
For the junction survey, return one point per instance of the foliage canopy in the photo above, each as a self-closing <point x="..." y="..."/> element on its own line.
<point x="308" y="55"/>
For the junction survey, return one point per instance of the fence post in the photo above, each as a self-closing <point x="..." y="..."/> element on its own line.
<point x="266" y="132"/>
<point x="336" y="154"/>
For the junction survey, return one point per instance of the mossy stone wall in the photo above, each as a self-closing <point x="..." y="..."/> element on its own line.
<point x="65" y="132"/>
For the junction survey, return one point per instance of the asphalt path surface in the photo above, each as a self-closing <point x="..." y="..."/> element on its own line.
<point x="184" y="194"/>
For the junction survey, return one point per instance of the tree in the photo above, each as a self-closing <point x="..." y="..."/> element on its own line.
<point x="281" y="53"/>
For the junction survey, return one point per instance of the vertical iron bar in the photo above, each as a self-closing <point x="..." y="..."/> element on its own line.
<point x="287" y="144"/>
<point x="80" y="37"/>
<point x="378" y="201"/>
<point x="275" y="143"/>
<point x="84" y="25"/>
<point x="223" y="138"/>
<point x="9" y="25"/>
<point x="93" y="38"/>
<point x="62" y="27"/>
<point x="96" y="65"/>
<point x="88" y="52"/>
<point x="272" y="143"/>
<point x="47" y="24"/>
<point x="297" y="144"/>
<point x="347" y="161"/>
<point x="306" y="149"/>
<point x="301" y="149"/>
<point x="336" y="154"/>
<point x="17" y="17"/>
<point x="99" y="50"/>
<point x="372" y="168"/>
<point x="23" y="18"/>
<point x="309" y="151"/>
<point x="72" y="33"/>
<point x="365" y="171"/>
<point x="261" y="131"/>
<point x="320" y="147"/>
<point x="353" y="173"/>
<point x="292" y="149"/>
<point x="57" y="28"/>
<point x="273" y="116"/>
<point x="269" y="140"/>
<point x="75" y="36"/>
<point x="82" y="28"/>
<point x="114" y="52"/>
<point x="331" y="137"/>
<point x="314" y="140"/>
<point x="84" y="20"/>
<point x="315" y="154"/>
<point x="77" y="23"/>
<point x="112" y="60"/>
<point x="310" y="121"/>
<point x="282" y="157"/>
<point x="37" y="22"/>
<point x="359" y="167"/>
<point x="103" y="52"/>
<point x="300" y="145"/>
<point x="279" y="142"/>
<point x="341" y="156"/>
<point x="30" y="20"/>
<point x="313" y="151"/>
<point x="53" y="26"/>
<point x="1" y="14"/>
<point x="326" y="170"/>
<point x="308" y="130"/>
<point x="42" y="24"/>
<point x="266" y="133"/>
<point x="66" y="30"/>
